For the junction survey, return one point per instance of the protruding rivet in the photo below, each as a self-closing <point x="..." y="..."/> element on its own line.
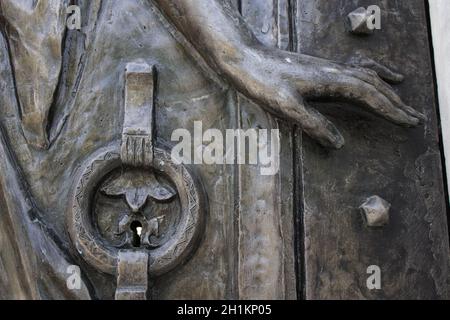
<point x="358" y="21"/>
<point x="375" y="211"/>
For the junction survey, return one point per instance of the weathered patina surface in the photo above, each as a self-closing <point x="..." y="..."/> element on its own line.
<point x="401" y="166"/>
<point x="73" y="102"/>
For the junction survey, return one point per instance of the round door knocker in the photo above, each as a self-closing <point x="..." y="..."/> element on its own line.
<point x="125" y="237"/>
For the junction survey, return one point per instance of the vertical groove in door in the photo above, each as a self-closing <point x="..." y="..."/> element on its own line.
<point x="299" y="235"/>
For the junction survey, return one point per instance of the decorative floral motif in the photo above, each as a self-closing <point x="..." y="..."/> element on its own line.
<point x="137" y="187"/>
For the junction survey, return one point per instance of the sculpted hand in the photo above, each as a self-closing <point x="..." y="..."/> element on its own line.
<point x="282" y="82"/>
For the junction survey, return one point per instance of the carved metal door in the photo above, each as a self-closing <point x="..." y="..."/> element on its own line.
<point x="74" y="200"/>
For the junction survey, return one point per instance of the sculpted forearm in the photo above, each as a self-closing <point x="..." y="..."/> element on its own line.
<point x="227" y="44"/>
<point x="216" y="30"/>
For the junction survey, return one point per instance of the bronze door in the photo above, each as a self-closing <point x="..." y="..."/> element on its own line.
<point x="73" y="192"/>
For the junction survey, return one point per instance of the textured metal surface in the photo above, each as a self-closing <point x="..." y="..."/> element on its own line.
<point x="375" y="212"/>
<point x="62" y="103"/>
<point x="132" y="275"/>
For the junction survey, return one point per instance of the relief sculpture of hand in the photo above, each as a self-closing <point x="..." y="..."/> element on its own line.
<point x="283" y="82"/>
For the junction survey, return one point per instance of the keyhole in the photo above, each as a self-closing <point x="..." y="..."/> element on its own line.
<point x="136" y="228"/>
